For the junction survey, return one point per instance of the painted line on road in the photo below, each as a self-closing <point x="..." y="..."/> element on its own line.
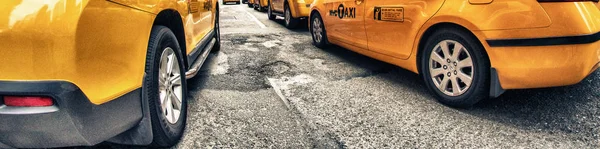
<point x="273" y="84"/>
<point x="256" y="20"/>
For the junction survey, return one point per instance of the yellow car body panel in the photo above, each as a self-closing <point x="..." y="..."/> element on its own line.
<point x="261" y="3"/>
<point x="396" y="40"/>
<point x="64" y="40"/>
<point x="89" y="58"/>
<point x="298" y="8"/>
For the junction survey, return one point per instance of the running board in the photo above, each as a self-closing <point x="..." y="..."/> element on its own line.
<point x="195" y="68"/>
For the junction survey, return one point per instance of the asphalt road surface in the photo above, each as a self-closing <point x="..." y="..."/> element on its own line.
<point x="270" y="88"/>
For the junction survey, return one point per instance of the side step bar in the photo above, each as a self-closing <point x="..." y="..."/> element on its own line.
<point x="195" y="68"/>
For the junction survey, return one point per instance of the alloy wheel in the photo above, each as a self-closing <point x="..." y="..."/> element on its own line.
<point x="451" y="68"/>
<point x="317" y="30"/>
<point x="170" y="87"/>
<point x="287" y="16"/>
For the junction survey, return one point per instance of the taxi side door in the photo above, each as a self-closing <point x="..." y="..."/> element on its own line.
<point x="277" y="5"/>
<point x="202" y="18"/>
<point x="392" y="25"/>
<point x="345" y="21"/>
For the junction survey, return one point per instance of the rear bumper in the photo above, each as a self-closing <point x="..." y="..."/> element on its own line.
<point x="72" y="121"/>
<point x="544" y="62"/>
<point x="563" y="53"/>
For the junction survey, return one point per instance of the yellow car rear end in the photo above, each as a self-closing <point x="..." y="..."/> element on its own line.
<point x="292" y="11"/>
<point x="77" y="73"/>
<point x="469" y="50"/>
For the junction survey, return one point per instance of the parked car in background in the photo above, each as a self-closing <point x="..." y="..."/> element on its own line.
<point x="261" y="5"/>
<point x="251" y="3"/>
<point x="467" y="50"/>
<point x="291" y="10"/>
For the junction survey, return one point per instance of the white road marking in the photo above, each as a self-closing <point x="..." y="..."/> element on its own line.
<point x="256" y="20"/>
<point x="278" y="91"/>
<point x="284" y="84"/>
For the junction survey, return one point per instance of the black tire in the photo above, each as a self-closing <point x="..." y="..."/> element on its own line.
<point x="480" y="84"/>
<point x="260" y="8"/>
<point x="165" y="134"/>
<point x="293" y="22"/>
<point x="217" y="46"/>
<point x="255" y="6"/>
<point x="238" y="3"/>
<point x="270" y="14"/>
<point x="323" y="43"/>
<point x="250" y="5"/>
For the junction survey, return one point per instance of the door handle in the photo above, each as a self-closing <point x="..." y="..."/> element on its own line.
<point x="358" y="2"/>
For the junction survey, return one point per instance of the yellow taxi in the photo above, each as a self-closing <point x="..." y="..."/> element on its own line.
<point x="77" y="73"/>
<point x="292" y="11"/>
<point x="251" y="3"/>
<point x="469" y="50"/>
<point x="260" y="5"/>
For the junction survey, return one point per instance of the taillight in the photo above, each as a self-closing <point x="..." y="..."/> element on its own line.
<point x="28" y="101"/>
<point x="567" y="0"/>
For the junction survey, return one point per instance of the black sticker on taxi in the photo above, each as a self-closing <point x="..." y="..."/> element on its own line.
<point x="389" y="14"/>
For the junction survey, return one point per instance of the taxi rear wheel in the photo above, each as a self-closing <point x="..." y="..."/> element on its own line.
<point x="455" y="68"/>
<point x="250" y="5"/>
<point x="217" y="46"/>
<point x="270" y="14"/>
<point x="317" y="30"/>
<point x="165" y="87"/>
<point x="290" y="21"/>
<point x="260" y="7"/>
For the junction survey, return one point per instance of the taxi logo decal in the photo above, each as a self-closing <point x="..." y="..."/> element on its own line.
<point x="389" y="14"/>
<point x="343" y="12"/>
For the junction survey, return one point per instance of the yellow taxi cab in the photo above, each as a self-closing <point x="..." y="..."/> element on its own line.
<point x="250" y="3"/>
<point x="260" y="5"/>
<point x="228" y="1"/>
<point x="292" y="11"/>
<point x="77" y="73"/>
<point x="469" y="50"/>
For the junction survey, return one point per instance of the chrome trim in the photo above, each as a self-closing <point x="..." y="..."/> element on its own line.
<point x="195" y="68"/>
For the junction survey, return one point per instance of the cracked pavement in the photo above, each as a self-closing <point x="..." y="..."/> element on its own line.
<point x="271" y="88"/>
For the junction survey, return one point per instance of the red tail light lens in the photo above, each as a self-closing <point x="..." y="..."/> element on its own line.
<point x="28" y="101"/>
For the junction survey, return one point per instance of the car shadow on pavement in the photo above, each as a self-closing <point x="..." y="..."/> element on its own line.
<point x="301" y="27"/>
<point x="397" y="75"/>
<point x="199" y="81"/>
<point x="573" y="110"/>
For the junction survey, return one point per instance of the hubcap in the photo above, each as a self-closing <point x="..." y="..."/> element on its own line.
<point x="451" y="68"/>
<point x="316" y="30"/>
<point x="169" y="86"/>
<point x="287" y="16"/>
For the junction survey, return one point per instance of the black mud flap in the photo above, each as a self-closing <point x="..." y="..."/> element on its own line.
<point x="140" y="134"/>
<point x="495" y="86"/>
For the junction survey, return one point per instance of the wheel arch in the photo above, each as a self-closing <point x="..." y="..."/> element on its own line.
<point x="313" y="12"/>
<point x="172" y="19"/>
<point x="421" y="43"/>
